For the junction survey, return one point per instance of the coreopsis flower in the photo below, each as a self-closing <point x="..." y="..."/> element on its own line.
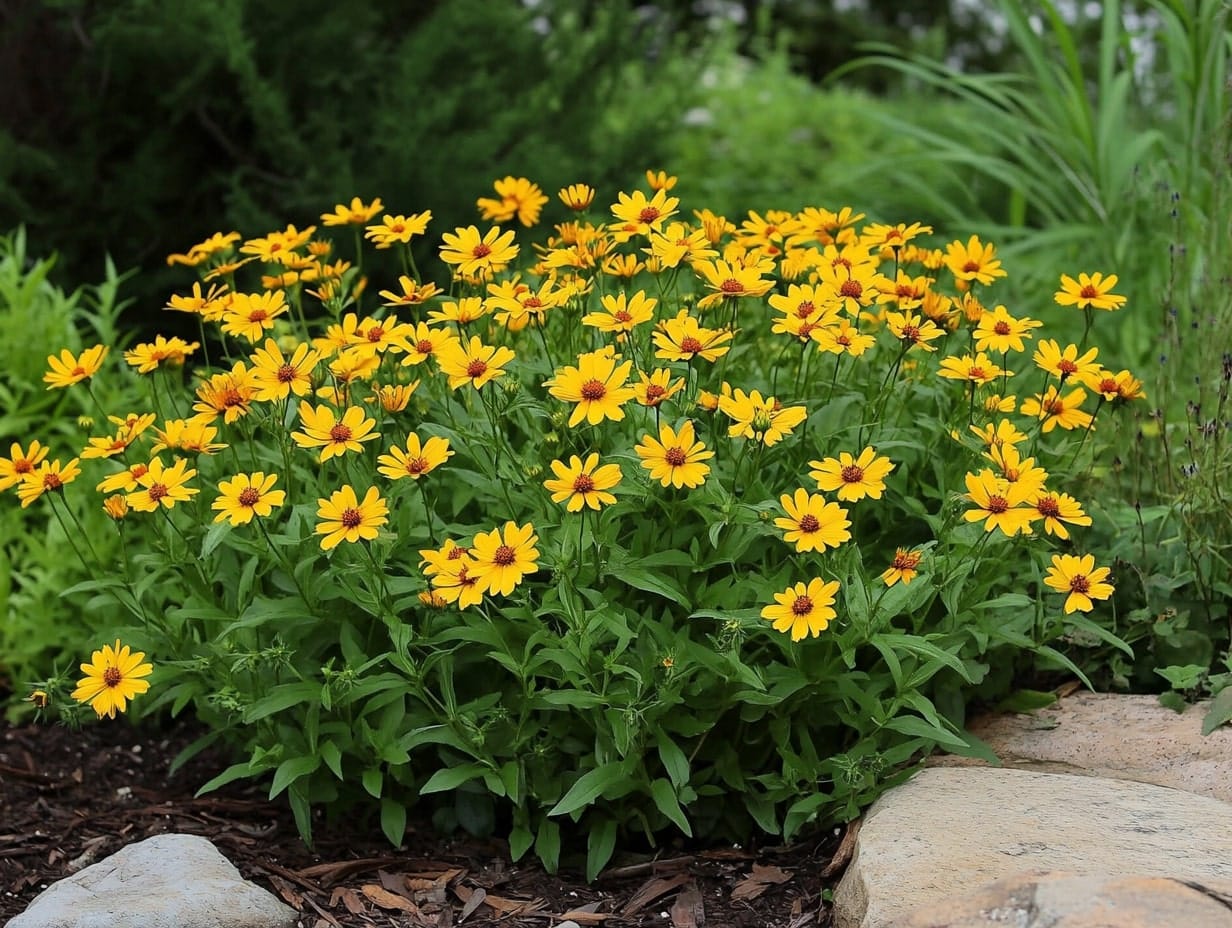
<point x="596" y="385"/>
<point x="577" y="197"/>
<point x="352" y="365"/>
<point x="163" y="486"/>
<point x="978" y="370"/>
<point x="1081" y="579"/>
<point x="393" y="230"/>
<point x="116" y="507"/>
<point x="417" y="460"/>
<point x="354" y="215"/>
<point x="412" y="294"/>
<point x="461" y="312"/>
<point x="203" y="251"/>
<point x="334" y="436"/>
<point x="638" y="215"/>
<point x="802" y="609"/>
<point x="998" y="331"/>
<point x="912" y="330"/>
<point x="229" y="394"/>
<point x="682" y="338"/>
<point x="68" y="369"/>
<point x="193" y="435"/>
<point x="518" y="197"/>
<point x="1022" y="472"/>
<point x="657" y="388"/>
<point x="276" y="377"/>
<point x="940" y="309"/>
<point x="622" y="313"/>
<point x="760" y="418"/>
<point x="660" y="180"/>
<point x="516" y="305"/>
<point x="48" y="477"/>
<point x="891" y="238"/>
<point x="503" y="557"/>
<point x="1089" y="291"/>
<point x="426" y="342"/>
<point x="675" y="457"/>
<point x="905" y="292"/>
<point x="148" y="356"/>
<point x="1065" y="363"/>
<point x="842" y="338"/>
<point x="245" y="496"/>
<point x="852" y="285"/>
<point x="209" y="306"/>
<point x="1053" y="409"/>
<point x="727" y="280"/>
<point x="812" y="523"/>
<point x="251" y="315"/>
<point x="826" y="226"/>
<point x="583" y="483"/>
<point x="770" y="232"/>
<point x="393" y="397"/>
<point x="470" y="254"/>
<point x="904" y="567"/>
<point x="973" y="262"/>
<point x="626" y="266"/>
<point x="14" y="468"/>
<point x="125" y="480"/>
<point x="804" y="303"/>
<point x="999" y="503"/>
<point x="680" y="245"/>
<point x="474" y="362"/>
<point x="376" y="336"/>
<point x="131" y="427"/>
<point x="1057" y="509"/>
<point x="225" y="269"/>
<point x="343" y="517"/>
<point x="853" y="477"/>
<point x="1001" y="432"/>
<point x="112" y="678"/>
<point x="998" y="403"/>
<point x="1121" y="386"/>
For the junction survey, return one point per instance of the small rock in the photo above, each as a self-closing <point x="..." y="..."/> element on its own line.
<point x="1068" y="900"/>
<point x="167" y="881"/>
<point x="949" y="830"/>
<point x="1115" y="736"/>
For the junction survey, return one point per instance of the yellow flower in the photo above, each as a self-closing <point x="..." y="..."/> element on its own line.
<point x="392" y="230"/>
<point x="683" y="339"/>
<point x="344" y="518"/>
<point x="112" y="677"/>
<point x="50" y="477"/>
<point x="623" y="313"/>
<point x="334" y="436"/>
<point x="1081" y="579"/>
<point x="1066" y="363"/>
<point x="728" y="280"/>
<point x="764" y="420"/>
<point x="229" y="394"/>
<point x="1089" y="291"/>
<point x="425" y="343"/>
<point x="460" y="312"/>
<point x="1053" y="409"/>
<point x="209" y="306"/>
<point x="660" y="180"/>
<point x="186" y="435"/>
<point x="275" y="377"/>
<point x="577" y="197"/>
<point x="974" y="261"/>
<point x="978" y="370"/>
<point x="14" y="468"/>
<point x="825" y="226"/>
<point x="416" y="460"/>
<point x="853" y="285"/>
<point x="355" y="215"/>
<point x="842" y="338"/>
<point x="450" y="572"/>
<point x="203" y="251"/>
<point x="913" y="331"/>
<point x="148" y="356"/>
<point x="247" y="495"/>
<point x="639" y="215"/>
<point x="1002" y="432"/>
<point x="412" y="293"/>
<point x="130" y="428"/>
<point x="626" y="266"/>
<point x="251" y="315"/>
<point x="375" y="336"/>
<point x="876" y="235"/>
<point x="1021" y="472"/>
<point x="163" y="486"/>
<point x="474" y="363"/>
<point x="804" y="304"/>
<point x="67" y="370"/>
<point x="812" y="524"/>
<point x="582" y="484"/>
<point x="519" y="305"/>
<point x="854" y="478"/>
<point x="352" y="365"/>
<point x="503" y="557"/>
<point x="393" y="397"/>
<point x="471" y="253"/>
<point x="657" y="388"/>
<point x="1058" y="508"/>
<point x="125" y="480"/>
<point x="518" y="197"/>
<point x="680" y="245"/>
<point x="803" y="610"/>
<point x="596" y="385"/>
<point x="998" y="331"/>
<point x="675" y="459"/>
<point x="1121" y="386"/>
<point x="116" y="507"/>
<point x="903" y="567"/>
<point x="999" y="503"/>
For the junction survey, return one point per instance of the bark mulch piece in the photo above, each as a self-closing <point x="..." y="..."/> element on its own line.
<point x="68" y="799"/>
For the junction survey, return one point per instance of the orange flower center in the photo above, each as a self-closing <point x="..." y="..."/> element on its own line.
<point x="593" y="390"/>
<point x="481" y="251"/>
<point x="1108" y="385"/>
<point x="911" y="333"/>
<point x="1079" y="584"/>
<point x="649" y="214"/>
<point x="376" y="333"/>
<point x="78" y="372"/>
<point x="852" y="289"/>
<point x="1048" y="507"/>
<point x="906" y="560"/>
<point x="802" y="606"/>
<point x="976" y="373"/>
<point x="476" y="369"/>
<point x="416" y="465"/>
<point x="1067" y="367"/>
<point x="258" y="315"/>
<point x="286" y="373"/>
<point x="805" y="309"/>
<point x="622" y="316"/>
<point x="533" y="302"/>
<point x="351" y="517"/>
<point x="504" y="556"/>
<point x="23" y="466"/>
<point x="731" y="285"/>
<point x="997" y="505"/>
<point x="397" y="227"/>
<point x="654" y="393"/>
<point x="676" y="457"/>
<point x="971" y="267"/>
<point x="158" y="491"/>
<point x="423" y="346"/>
<point x="232" y="398"/>
<point x="138" y="471"/>
<point x="340" y="433"/>
<point x="455" y="553"/>
<point x="1089" y="293"/>
<point x="809" y="523"/>
<point x="1055" y="408"/>
<point x="852" y="473"/>
<point x="249" y="496"/>
<point x="112" y="676"/>
<point x="1002" y="327"/>
<point x="52" y="482"/>
<point x="690" y="345"/>
<point x="843" y="340"/>
<point x="583" y="483"/>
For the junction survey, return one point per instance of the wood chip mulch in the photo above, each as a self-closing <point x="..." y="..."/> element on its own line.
<point x="68" y="799"/>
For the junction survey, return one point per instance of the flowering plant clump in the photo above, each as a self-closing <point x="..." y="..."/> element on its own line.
<point x="658" y="522"/>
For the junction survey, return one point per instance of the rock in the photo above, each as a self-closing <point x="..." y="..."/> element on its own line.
<point x="949" y="830"/>
<point x="1067" y="900"/>
<point x="1108" y="735"/>
<point x="167" y="881"/>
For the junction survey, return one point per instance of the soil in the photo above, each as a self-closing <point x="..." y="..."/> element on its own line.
<point x="69" y="798"/>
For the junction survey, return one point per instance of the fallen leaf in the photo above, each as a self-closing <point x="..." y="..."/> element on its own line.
<point x="293" y="899"/>
<point x="689" y="911"/>
<point x="587" y="914"/>
<point x="387" y="900"/>
<point x="758" y="881"/>
<point x="349" y="899"/>
<point x="471" y="904"/>
<point x="846" y="848"/>
<point x="653" y="889"/>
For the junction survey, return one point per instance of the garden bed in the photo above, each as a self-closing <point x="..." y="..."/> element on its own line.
<point x="79" y="796"/>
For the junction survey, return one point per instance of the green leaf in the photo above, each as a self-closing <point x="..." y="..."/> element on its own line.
<point x="452" y="777"/>
<point x="283" y="697"/>
<point x="291" y="770"/>
<point x="373" y="780"/>
<point x="232" y="773"/>
<point x="1185" y="677"/>
<point x="664" y="796"/>
<point x="674" y="760"/>
<point x="1083" y="623"/>
<point x="547" y="845"/>
<point x="1174" y="701"/>
<point x="332" y="757"/>
<point x="393" y="820"/>
<point x="917" y="727"/>
<point x="589" y="786"/>
<point x="599" y="846"/>
<point x="520" y="840"/>
<point x="1026" y="701"/>
<point x="1220" y="712"/>
<point x="218" y="531"/>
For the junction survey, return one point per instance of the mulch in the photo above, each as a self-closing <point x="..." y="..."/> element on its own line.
<point x="70" y="798"/>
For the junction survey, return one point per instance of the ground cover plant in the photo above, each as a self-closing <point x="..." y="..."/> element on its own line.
<point x="658" y="522"/>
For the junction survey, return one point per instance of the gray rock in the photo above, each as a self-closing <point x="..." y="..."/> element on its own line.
<point x="1115" y="736"/>
<point x="948" y="831"/>
<point x="167" y="881"/>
